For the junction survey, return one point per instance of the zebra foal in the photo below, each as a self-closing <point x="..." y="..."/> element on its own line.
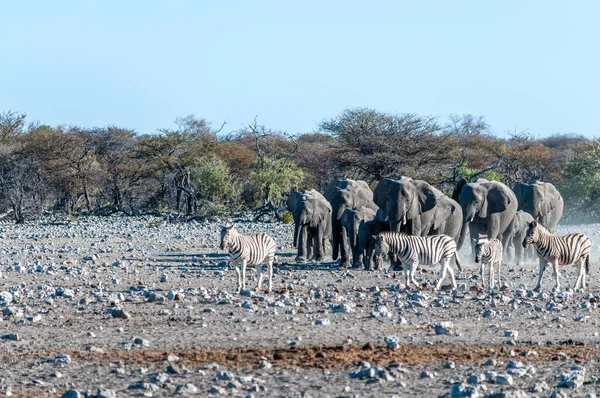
<point x="412" y="251"/>
<point x="558" y="250"/>
<point x="488" y="252"/>
<point x="247" y="250"/>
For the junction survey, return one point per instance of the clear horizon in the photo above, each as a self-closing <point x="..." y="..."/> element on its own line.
<point x="523" y="65"/>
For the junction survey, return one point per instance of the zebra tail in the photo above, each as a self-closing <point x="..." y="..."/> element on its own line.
<point x="587" y="265"/>
<point x="457" y="262"/>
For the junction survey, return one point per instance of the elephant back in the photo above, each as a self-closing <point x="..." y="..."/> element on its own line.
<point x="345" y="184"/>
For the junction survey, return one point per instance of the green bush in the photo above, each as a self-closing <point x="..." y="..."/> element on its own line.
<point x="287" y="218"/>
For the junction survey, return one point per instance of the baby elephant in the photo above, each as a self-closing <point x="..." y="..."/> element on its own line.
<point x="489" y="252"/>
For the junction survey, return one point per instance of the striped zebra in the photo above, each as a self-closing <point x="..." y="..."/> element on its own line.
<point x="558" y="250"/>
<point x="488" y="252"/>
<point x="411" y="251"/>
<point x="248" y="250"/>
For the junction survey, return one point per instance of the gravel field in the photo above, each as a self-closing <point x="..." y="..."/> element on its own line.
<point x="122" y="306"/>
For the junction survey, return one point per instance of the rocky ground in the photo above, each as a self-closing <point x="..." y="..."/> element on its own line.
<point x="140" y="307"/>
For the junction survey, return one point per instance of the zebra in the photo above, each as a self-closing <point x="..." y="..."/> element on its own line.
<point x="558" y="250"/>
<point x="248" y="250"/>
<point x="411" y="251"/>
<point x="488" y="252"/>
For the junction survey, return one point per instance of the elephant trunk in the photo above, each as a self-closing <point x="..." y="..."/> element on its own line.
<point x="463" y="234"/>
<point x="335" y="232"/>
<point x="301" y="220"/>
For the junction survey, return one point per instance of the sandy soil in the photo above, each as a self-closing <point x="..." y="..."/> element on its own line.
<point x="140" y="307"/>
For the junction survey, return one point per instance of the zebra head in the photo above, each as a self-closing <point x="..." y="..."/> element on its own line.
<point x="381" y="249"/>
<point x="532" y="234"/>
<point x="478" y="246"/>
<point x="227" y="231"/>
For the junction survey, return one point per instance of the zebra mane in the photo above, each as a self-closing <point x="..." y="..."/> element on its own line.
<point x="540" y="227"/>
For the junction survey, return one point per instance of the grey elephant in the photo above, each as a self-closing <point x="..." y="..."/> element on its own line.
<point x="342" y="199"/>
<point x="488" y="209"/>
<point x="542" y="200"/>
<point x="345" y="183"/>
<point x="517" y="231"/>
<point x="351" y="221"/>
<point x="448" y="217"/>
<point x="409" y="204"/>
<point x="312" y="224"/>
<point x="366" y="244"/>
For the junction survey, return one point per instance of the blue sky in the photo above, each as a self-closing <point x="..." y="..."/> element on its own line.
<point x="531" y="65"/>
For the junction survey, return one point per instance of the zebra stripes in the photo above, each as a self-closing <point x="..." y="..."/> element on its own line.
<point x="411" y="251"/>
<point x="558" y="250"/>
<point x="247" y="250"/>
<point x="489" y="252"/>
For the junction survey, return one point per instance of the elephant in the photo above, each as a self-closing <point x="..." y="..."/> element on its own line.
<point x="342" y="199"/>
<point x="366" y="244"/>
<point x="312" y="219"/>
<point x="517" y="231"/>
<point x="542" y="200"/>
<point x="417" y="208"/>
<point x="448" y="217"/>
<point x="351" y="221"/>
<point x="488" y="208"/>
<point x="409" y="204"/>
<point x="346" y="183"/>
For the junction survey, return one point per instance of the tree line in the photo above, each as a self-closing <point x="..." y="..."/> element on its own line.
<point x="198" y="170"/>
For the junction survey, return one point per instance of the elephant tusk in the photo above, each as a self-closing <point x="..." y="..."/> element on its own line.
<point x="472" y="218"/>
<point x="387" y="218"/>
<point x="404" y="220"/>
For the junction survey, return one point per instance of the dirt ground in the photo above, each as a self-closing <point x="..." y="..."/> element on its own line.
<point x="140" y="307"/>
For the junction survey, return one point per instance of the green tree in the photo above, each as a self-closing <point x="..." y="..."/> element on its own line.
<point x="581" y="187"/>
<point x="216" y="191"/>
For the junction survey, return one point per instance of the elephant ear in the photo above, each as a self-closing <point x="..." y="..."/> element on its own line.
<point x="443" y="211"/>
<point x="496" y="201"/>
<point x="546" y="197"/>
<point x="424" y="200"/>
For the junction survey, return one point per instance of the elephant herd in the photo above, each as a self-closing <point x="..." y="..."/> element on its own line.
<point x="349" y="214"/>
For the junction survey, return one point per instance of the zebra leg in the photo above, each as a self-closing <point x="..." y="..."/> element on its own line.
<point x="452" y="278"/>
<point x="581" y="277"/>
<point x="491" y="276"/>
<point x="244" y="275"/>
<point x="499" y="280"/>
<point x="239" y="280"/>
<point x="539" y="282"/>
<point x="270" y="271"/>
<point x="444" y="265"/>
<point x="406" y="275"/>
<point x="260" y="276"/>
<point x="413" y="270"/>
<point x="555" y="270"/>
<point x="482" y="272"/>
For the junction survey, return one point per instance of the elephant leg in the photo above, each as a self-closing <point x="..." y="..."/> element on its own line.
<point x="318" y="248"/>
<point x="345" y="261"/>
<point x="310" y="245"/>
<point x="302" y="244"/>
<point x="518" y="250"/>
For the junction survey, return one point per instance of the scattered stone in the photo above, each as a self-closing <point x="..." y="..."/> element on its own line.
<point x="187" y="388"/>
